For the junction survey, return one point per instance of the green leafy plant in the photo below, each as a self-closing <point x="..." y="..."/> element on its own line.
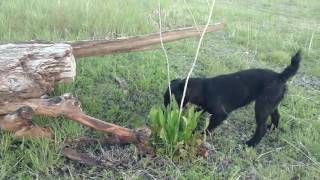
<point x="172" y="131"/>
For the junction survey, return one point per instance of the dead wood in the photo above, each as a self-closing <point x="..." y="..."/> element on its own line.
<point x="83" y="158"/>
<point x="91" y="160"/>
<point x="137" y="43"/>
<point x="20" y="123"/>
<point x="69" y="107"/>
<point x="30" y="70"/>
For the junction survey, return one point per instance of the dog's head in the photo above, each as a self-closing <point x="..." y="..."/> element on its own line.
<point x="177" y="86"/>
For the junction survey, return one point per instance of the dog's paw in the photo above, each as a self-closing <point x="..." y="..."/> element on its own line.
<point x="275" y="129"/>
<point x="271" y="127"/>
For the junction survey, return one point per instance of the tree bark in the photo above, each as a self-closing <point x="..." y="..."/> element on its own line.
<point x="30" y="70"/>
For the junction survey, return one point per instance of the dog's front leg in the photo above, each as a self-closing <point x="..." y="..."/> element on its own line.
<point x="215" y="120"/>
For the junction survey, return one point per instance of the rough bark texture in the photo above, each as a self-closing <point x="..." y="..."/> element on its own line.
<point x="136" y="43"/>
<point x="30" y="70"/>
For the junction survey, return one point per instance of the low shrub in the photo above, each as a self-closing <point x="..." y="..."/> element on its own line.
<point x="174" y="135"/>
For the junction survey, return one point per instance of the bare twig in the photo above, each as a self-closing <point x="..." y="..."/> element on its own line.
<point x="310" y="43"/>
<point x="194" y="20"/>
<point x="263" y="154"/>
<point x="298" y="149"/>
<point x="196" y="57"/>
<point x="164" y="50"/>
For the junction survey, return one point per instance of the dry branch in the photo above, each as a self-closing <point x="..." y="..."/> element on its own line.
<point x="67" y="106"/>
<point x="91" y="160"/>
<point x="82" y="158"/>
<point x="137" y="43"/>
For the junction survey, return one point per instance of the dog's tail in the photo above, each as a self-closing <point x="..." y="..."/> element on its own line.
<point x="292" y="69"/>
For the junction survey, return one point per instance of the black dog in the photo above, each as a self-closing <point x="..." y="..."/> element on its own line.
<point x="222" y="94"/>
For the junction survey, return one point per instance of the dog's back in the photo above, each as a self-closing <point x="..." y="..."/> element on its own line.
<point x="240" y="88"/>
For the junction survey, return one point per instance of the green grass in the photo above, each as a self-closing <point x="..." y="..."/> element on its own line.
<point x="259" y="34"/>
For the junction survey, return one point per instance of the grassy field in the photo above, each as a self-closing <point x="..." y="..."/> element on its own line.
<point x="262" y="33"/>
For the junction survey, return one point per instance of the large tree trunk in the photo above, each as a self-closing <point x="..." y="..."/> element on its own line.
<point x="31" y="70"/>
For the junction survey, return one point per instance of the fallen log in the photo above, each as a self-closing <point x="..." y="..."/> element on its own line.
<point x="136" y="43"/>
<point x="31" y="70"/>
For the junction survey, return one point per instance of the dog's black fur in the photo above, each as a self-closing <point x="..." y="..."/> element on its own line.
<point x="222" y="94"/>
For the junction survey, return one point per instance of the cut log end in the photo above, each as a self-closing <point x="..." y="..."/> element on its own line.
<point x="30" y="70"/>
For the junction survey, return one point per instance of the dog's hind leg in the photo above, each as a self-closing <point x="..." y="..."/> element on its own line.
<point x="261" y="112"/>
<point x="275" y="116"/>
<point x="265" y="106"/>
